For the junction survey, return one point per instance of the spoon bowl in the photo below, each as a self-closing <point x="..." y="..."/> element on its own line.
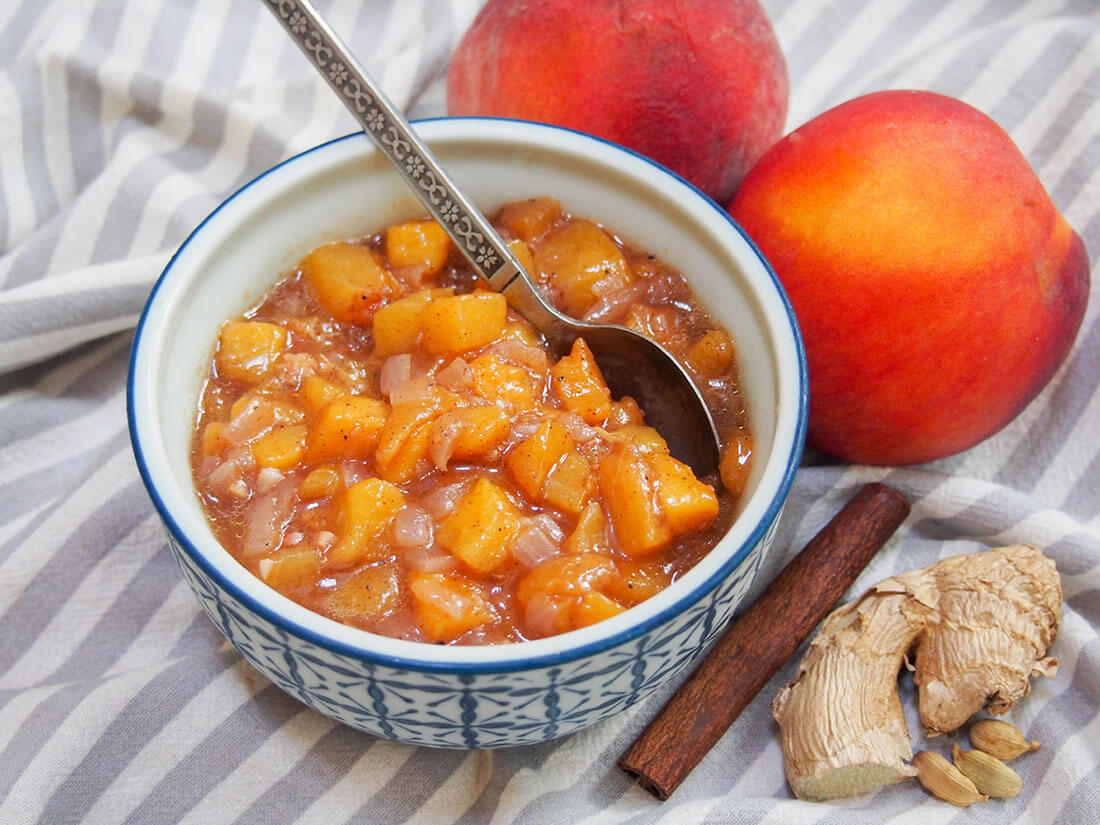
<point x="632" y="364"/>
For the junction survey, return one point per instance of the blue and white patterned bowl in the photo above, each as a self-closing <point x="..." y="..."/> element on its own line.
<point x="462" y="697"/>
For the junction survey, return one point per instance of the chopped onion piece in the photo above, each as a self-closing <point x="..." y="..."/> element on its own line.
<point x="265" y="519"/>
<point x="542" y="615"/>
<point x="577" y="427"/>
<point x="267" y="478"/>
<point x="443" y="441"/>
<point x="396" y="371"/>
<point x="441" y="501"/>
<point x="534" y="545"/>
<point x="412" y="391"/>
<point x="454" y="376"/>
<point x="412" y="527"/>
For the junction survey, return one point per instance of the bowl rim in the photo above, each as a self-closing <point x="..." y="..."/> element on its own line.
<point x="463" y="659"/>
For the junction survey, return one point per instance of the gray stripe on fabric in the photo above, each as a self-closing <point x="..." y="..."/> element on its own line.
<point x="24" y="317"/>
<point x="222" y="750"/>
<point x="107" y="449"/>
<point x="960" y="73"/>
<point x="25" y="77"/>
<point x="48" y="404"/>
<point x="902" y="29"/>
<point x="204" y="140"/>
<point x="1035" y="81"/>
<point x="1081" y="803"/>
<point x="806" y="52"/>
<point x="14" y="35"/>
<point x="201" y="638"/>
<point x="325" y="764"/>
<point x="143" y="717"/>
<point x="1072" y="709"/>
<point x="438" y="26"/>
<point x="118" y="625"/>
<point x="424" y="771"/>
<point x="83" y="142"/>
<point x="85" y="96"/>
<point x="1082" y="502"/>
<point x="1070" y="398"/>
<point x="1064" y="121"/>
<point x="31" y="611"/>
<point x="47" y="716"/>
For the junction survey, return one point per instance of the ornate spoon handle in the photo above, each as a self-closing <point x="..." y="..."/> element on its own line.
<point x="402" y="147"/>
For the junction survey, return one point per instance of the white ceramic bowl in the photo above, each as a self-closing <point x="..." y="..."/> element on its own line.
<point x="443" y="695"/>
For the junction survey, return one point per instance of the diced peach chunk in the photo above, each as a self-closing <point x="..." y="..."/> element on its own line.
<point x="659" y="323"/>
<point x="462" y="322"/>
<point x="480" y="529"/>
<point x="644" y="437"/>
<point x="522" y="332"/>
<point x="687" y="504"/>
<point x="447" y="605"/>
<point x="349" y="280"/>
<point x="712" y="354"/>
<point x="501" y="383"/>
<point x="556" y="587"/>
<point x="405" y="439"/>
<point x="529" y="219"/>
<point x="281" y="447"/>
<point x="579" y="385"/>
<point x="736" y="463"/>
<point x="347" y="427"/>
<point x="623" y="412"/>
<point x="247" y="349"/>
<point x="467" y="433"/>
<point x="627" y="488"/>
<point x="424" y="244"/>
<point x="321" y="482"/>
<point x="594" y="607"/>
<point x="529" y="463"/>
<point x="590" y="533"/>
<point x="214" y="439"/>
<point x="291" y="568"/>
<point x="524" y="255"/>
<point x="397" y="325"/>
<point x="369" y="506"/>
<point x="570" y="484"/>
<point x="261" y="407"/>
<point x="640" y="579"/>
<point x="366" y="594"/>
<point x="582" y="264"/>
<point x="317" y="391"/>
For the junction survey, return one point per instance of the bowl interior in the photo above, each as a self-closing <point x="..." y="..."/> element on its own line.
<point x="344" y="189"/>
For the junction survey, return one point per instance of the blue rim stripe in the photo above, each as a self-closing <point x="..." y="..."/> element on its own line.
<point x="520" y="662"/>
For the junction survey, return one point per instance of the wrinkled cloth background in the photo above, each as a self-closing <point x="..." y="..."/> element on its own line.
<point x="124" y="122"/>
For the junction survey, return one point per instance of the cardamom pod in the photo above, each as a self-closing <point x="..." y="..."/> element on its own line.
<point x="1000" y="739"/>
<point x="989" y="774"/>
<point x="945" y="781"/>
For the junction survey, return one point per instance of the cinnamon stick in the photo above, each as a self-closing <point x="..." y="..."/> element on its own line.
<point x="759" y="641"/>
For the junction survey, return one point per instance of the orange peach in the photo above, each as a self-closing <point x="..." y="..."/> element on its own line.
<point x="936" y="284"/>
<point x="697" y="85"/>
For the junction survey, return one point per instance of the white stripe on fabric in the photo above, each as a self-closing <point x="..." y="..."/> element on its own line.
<point x="69" y="624"/>
<point x="224" y="694"/>
<point x="377" y="765"/>
<point x="68" y="744"/>
<point x="267" y="765"/>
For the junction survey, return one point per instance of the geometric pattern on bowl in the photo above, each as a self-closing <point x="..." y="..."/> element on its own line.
<point x="479" y="708"/>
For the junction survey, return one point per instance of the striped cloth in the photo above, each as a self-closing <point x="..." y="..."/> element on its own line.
<point x="124" y="122"/>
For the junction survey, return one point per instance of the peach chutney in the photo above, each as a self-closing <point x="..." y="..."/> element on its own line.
<point x="387" y="443"/>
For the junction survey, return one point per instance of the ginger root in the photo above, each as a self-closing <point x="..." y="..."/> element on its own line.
<point x="975" y="628"/>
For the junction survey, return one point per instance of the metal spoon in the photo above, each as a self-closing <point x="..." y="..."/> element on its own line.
<point x="632" y="364"/>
